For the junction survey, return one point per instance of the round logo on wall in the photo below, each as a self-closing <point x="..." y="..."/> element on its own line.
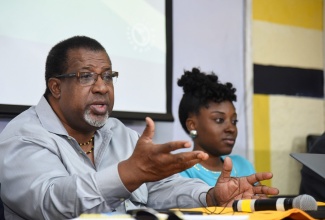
<point x="141" y="37"/>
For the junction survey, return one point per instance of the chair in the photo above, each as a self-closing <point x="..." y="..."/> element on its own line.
<point x="312" y="183"/>
<point x="311" y="140"/>
<point x="2" y="215"/>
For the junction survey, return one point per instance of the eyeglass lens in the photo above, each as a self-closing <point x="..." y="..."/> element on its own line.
<point x="89" y="78"/>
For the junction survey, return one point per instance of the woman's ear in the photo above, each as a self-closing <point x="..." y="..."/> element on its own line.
<point x="55" y="87"/>
<point x="190" y="124"/>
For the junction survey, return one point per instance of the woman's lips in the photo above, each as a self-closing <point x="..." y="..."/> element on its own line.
<point x="229" y="141"/>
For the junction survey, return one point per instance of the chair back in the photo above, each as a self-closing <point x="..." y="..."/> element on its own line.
<point x="2" y="215"/>
<point x="311" y="140"/>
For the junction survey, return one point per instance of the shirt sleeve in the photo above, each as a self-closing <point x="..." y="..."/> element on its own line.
<point x="43" y="188"/>
<point x="177" y="192"/>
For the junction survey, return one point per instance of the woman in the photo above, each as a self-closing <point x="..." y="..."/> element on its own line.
<point x="208" y="115"/>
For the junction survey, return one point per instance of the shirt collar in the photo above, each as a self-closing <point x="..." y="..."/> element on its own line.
<point x="52" y="123"/>
<point x="48" y="118"/>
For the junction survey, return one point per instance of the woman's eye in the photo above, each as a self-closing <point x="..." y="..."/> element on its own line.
<point x="235" y="122"/>
<point x="220" y="120"/>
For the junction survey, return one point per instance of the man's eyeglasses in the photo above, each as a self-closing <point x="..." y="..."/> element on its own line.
<point x="90" y="78"/>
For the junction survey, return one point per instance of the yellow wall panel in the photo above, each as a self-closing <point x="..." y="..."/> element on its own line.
<point x="301" y="13"/>
<point x="261" y="134"/>
<point x="291" y="120"/>
<point x="287" y="33"/>
<point x="281" y="45"/>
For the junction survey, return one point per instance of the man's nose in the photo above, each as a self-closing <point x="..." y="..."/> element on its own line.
<point x="100" y="85"/>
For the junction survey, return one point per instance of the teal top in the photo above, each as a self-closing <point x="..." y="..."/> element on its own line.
<point x="240" y="167"/>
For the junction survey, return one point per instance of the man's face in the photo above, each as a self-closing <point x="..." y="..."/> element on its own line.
<point x="86" y="107"/>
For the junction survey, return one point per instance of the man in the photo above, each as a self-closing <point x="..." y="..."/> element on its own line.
<point x="66" y="156"/>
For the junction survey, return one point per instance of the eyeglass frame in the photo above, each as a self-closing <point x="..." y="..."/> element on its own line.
<point x="77" y="74"/>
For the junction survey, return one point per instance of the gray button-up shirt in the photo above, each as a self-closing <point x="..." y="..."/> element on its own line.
<point x="44" y="173"/>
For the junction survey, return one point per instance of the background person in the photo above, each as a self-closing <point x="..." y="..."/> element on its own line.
<point x="208" y="115"/>
<point x="67" y="156"/>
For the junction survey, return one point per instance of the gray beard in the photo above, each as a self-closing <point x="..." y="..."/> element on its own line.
<point x="96" y="121"/>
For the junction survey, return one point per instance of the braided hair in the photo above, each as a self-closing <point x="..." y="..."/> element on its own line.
<point x="199" y="89"/>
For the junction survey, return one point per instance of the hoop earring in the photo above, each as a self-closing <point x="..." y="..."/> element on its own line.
<point x="193" y="134"/>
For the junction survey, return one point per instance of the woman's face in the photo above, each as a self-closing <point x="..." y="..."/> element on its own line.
<point x="216" y="128"/>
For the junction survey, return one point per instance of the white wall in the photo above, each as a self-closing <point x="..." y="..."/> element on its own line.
<point x="208" y="34"/>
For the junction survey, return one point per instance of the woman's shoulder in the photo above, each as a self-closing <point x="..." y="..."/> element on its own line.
<point x="235" y="157"/>
<point x="242" y="165"/>
<point x="239" y="160"/>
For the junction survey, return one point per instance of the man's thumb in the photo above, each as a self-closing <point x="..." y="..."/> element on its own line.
<point x="226" y="168"/>
<point x="149" y="130"/>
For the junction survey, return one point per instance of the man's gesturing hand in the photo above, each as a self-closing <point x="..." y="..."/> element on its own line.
<point x="228" y="189"/>
<point x="152" y="162"/>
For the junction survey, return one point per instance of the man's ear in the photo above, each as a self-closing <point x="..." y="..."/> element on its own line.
<point x="55" y="87"/>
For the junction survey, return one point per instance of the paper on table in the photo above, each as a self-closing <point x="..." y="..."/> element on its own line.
<point x="215" y="217"/>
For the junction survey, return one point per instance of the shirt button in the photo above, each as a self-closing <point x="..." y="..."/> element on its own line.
<point x="122" y="199"/>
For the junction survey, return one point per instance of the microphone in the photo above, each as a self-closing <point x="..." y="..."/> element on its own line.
<point x="303" y="202"/>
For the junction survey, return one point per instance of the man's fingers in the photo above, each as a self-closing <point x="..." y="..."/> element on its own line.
<point x="258" y="177"/>
<point x="186" y="160"/>
<point x="181" y="161"/>
<point x="149" y="130"/>
<point x="261" y="189"/>
<point x="192" y="157"/>
<point x="226" y="168"/>
<point x="171" y="146"/>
